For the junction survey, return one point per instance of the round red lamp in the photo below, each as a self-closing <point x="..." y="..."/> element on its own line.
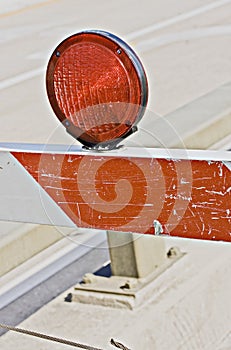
<point x="97" y="88"/>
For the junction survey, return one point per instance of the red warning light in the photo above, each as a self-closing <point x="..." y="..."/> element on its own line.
<point x="97" y="87"/>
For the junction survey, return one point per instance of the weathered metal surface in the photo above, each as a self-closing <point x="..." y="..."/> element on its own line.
<point x="22" y="199"/>
<point x="188" y="193"/>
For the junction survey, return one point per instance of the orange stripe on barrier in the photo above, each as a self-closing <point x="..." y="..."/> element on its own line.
<point x="189" y="198"/>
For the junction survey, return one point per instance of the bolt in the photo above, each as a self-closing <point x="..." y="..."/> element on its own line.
<point x="68" y="298"/>
<point x="174" y="252"/>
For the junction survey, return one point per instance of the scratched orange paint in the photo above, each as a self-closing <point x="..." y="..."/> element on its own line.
<point x="190" y="198"/>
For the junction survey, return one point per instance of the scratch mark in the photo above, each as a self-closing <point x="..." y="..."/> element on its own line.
<point x="220" y="170"/>
<point x="219" y="192"/>
<point x="184" y="182"/>
<point x="58" y="177"/>
<point x="70" y="159"/>
<point x="79" y="215"/>
<point x="178" y="196"/>
<point x="60" y="189"/>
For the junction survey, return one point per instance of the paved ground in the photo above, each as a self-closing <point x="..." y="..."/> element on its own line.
<point x="185" y="48"/>
<point x="32" y="292"/>
<point x="189" y="310"/>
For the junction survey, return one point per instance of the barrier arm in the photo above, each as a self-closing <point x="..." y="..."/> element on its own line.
<point x="147" y="191"/>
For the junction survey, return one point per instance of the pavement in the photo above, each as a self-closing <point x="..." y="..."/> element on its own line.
<point x="184" y="59"/>
<point x="189" y="308"/>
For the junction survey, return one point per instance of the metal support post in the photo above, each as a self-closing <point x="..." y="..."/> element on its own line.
<point x="135" y="255"/>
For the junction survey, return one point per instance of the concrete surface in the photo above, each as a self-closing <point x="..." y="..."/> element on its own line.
<point x="49" y="273"/>
<point x="189" y="309"/>
<point x="198" y="124"/>
<point x="22" y="243"/>
<point x="179" y="70"/>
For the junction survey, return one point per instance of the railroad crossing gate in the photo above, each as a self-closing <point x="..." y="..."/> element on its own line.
<point x="98" y="89"/>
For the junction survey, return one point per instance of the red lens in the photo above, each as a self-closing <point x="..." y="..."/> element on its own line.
<point x="93" y="83"/>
